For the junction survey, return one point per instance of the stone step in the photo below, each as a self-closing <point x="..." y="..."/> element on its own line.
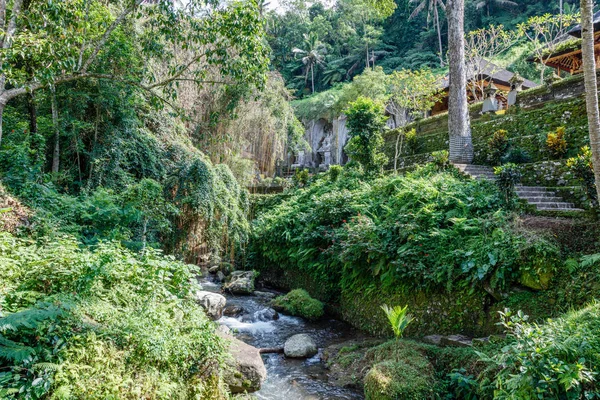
<point x="536" y="188"/>
<point x="536" y="194"/>
<point x="575" y="209"/>
<point x="554" y="206"/>
<point x="549" y="199"/>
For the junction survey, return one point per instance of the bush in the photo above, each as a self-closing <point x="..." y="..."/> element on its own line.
<point x="556" y="142"/>
<point x="498" y="146"/>
<point x="516" y="155"/>
<point x="508" y="176"/>
<point x="70" y="316"/>
<point x="299" y="303"/>
<point x="366" y="121"/>
<point x="301" y="177"/>
<point x="441" y="159"/>
<point x="583" y="169"/>
<point x="334" y="172"/>
<point x="556" y="360"/>
<point x="424" y="230"/>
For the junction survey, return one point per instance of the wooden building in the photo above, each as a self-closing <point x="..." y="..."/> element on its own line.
<point x="481" y="74"/>
<point x="567" y="57"/>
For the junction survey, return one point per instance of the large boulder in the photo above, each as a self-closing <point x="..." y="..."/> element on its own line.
<point x="300" y="346"/>
<point x="233" y="310"/>
<point x="241" y="282"/>
<point x="247" y="371"/>
<point x="213" y="303"/>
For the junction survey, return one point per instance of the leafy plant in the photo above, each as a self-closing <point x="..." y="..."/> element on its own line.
<point x="301" y="177"/>
<point x="498" y="145"/>
<point x="508" y="176"/>
<point x="583" y="169"/>
<point x="558" y="359"/>
<point x="366" y="121"/>
<point x="516" y="155"/>
<point x="556" y="142"/>
<point x="334" y="172"/>
<point x="398" y="317"/>
<point x="441" y="159"/>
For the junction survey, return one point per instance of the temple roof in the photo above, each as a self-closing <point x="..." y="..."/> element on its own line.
<point x="487" y="70"/>
<point x="576" y="31"/>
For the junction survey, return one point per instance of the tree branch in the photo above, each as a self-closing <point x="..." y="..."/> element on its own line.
<point x="12" y="25"/>
<point x="107" y="34"/>
<point x="2" y="14"/>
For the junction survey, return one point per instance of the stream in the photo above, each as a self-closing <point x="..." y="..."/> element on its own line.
<point x="289" y="379"/>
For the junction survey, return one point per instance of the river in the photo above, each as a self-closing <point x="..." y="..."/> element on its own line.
<point x="287" y="379"/>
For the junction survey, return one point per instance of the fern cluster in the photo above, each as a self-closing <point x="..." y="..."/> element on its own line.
<point x="105" y="323"/>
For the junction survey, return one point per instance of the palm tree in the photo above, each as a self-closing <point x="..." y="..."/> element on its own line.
<point x="487" y="3"/>
<point x="312" y="56"/>
<point x="591" y="84"/>
<point x="432" y="9"/>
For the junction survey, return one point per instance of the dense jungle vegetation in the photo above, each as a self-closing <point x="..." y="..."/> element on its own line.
<point x="130" y="132"/>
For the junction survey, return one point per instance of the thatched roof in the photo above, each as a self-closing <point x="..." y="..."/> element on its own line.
<point x="487" y="70"/>
<point x="576" y="31"/>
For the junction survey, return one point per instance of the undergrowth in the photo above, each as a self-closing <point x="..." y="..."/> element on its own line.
<point x="101" y="324"/>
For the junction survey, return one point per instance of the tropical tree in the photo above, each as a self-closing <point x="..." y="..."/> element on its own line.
<point x="591" y="84"/>
<point x="461" y="145"/>
<point x="312" y="56"/>
<point x="48" y="43"/>
<point x="432" y="10"/>
<point x="546" y="32"/>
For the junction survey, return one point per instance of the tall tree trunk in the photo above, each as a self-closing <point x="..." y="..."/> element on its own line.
<point x="591" y="84"/>
<point x="56" y="152"/>
<point x="439" y="32"/>
<point x="312" y="78"/>
<point x="1" y="112"/>
<point x="461" y="146"/>
<point x="32" y="113"/>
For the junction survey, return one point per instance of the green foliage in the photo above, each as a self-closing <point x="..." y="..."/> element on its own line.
<point x="70" y="314"/>
<point x="498" y="146"/>
<point x="558" y="359"/>
<point x="298" y="302"/>
<point x="366" y="121"/>
<point x="508" y="176"/>
<point x="334" y="172"/>
<point x="426" y="230"/>
<point x="516" y="155"/>
<point x="583" y="169"/>
<point x="556" y="142"/>
<point x="301" y="177"/>
<point x="417" y="91"/>
<point x="398" y="318"/>
<point x="441" y="159"/>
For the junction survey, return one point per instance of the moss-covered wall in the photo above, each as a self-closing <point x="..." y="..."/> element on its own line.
<point x="527" y="129"/>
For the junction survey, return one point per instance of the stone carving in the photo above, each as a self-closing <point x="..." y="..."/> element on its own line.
<point x="490" y="104"/>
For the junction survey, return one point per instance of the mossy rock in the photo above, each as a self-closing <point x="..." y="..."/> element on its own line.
<point x="299" y="303"/>
<point x="539" y="281"/>
<point x="410" y="376"/>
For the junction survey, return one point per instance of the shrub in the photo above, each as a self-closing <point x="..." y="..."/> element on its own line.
<point x="498" y="146"/>
<point x="583" y="169"/>
<point x="334" y="172"/>
<point x="70" y="315"/>
<point x="366" y="121"/>
<point x="301" y="177"/>
<point x="555" y="360"/>
<point x="516" y="155"/>
<point x="556" y="142"/>
<point x="441" y="159"/>
<point x="298" y="302"/>
<point x="508" y="176"/>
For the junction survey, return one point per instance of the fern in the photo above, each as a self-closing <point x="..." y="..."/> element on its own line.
<point x="14" y="352"/>
<point x="29" y="318"/>
<point x="590" y="260"/>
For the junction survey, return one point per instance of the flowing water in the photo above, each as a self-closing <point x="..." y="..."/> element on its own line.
<point x="289" y="379"/>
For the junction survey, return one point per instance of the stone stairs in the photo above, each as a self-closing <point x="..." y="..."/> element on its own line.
<point x="543" y="198"/>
